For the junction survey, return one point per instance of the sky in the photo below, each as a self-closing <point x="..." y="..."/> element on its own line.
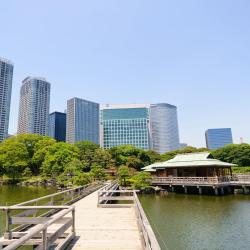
<point x="194" y="54"/>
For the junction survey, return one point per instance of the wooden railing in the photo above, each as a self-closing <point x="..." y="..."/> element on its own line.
<point x="38" y="235"/>
<point x="190" y="180"/>
<point x="129" y="198"/>
<point x="149" y="239"/>
<point x="235" y="179"/>
<point x="43" y="212"/>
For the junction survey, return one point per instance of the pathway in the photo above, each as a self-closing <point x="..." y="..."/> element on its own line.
<point x="104" y="228"/>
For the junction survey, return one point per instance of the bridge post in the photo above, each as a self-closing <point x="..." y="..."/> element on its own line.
<point x="222" y="190"/>
<point x="44" y="239"/>
<point x="8" y="223"/>
<point x="216" y="191"/>
<point x="200" y="190"/>
<point x="172" y="188"/>
<point x="244" y="189"/>
<point x="185" y="190"/>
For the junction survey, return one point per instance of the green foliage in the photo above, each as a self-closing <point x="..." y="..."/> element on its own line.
<point x="14" y="158"/>
<point x="123" y="175"/>
<point x="241" y="170"/>
<point x="97" y="173"/>
<point x="238" y="154"/>
<point x="82" y="179"/>
<point x="132" y="157"/>
<point x="141" y="181"/>
<point x="170" y="155"/>
<point x="57" y="156"/>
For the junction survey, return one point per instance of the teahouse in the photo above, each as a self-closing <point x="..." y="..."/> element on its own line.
<point x="191" y="165"/>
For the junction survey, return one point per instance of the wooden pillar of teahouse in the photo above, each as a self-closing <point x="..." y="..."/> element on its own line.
<point x="216" y="191"/>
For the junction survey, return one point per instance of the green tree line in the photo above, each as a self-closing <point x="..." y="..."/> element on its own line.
<point x="34" y="155"/>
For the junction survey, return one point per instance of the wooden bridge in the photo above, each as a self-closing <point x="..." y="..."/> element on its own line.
<point x="94" y="222"/>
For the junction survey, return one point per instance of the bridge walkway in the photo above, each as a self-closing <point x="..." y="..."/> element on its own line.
<point x="104" y="228"/>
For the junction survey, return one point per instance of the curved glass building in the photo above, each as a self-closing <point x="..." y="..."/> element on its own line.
<point x="164" y="127"/>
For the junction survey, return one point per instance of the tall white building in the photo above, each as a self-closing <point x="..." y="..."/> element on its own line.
<point x="146" y="126"/>
<point x="164" y="127"/>
<point x="34" y="106"/>
<point x="82" y="122"/>
<point x="6" y="75"/>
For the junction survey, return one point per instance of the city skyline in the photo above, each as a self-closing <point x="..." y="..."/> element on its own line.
<point x="198" y="61"/>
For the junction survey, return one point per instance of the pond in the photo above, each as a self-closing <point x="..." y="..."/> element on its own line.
<point x="12" y="194"/>
<point x="193" y="222"/>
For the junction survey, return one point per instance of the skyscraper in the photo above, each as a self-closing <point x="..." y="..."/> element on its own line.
<point x="217" y="138"/>
<point x="82" y="121"/>
<point x="144" y="126"/>
<point x="125" y="125"/>
<point x="34" y="106"/>
<point x="6" y="75"/>
<point x="164" y="127"/>
<point x="57" y="126"/>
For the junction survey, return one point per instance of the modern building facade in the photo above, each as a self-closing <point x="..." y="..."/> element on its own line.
<point x="144" y="126"/>
<point x="82" y="121"/>
<point x="6" y="76"/>
<point x="217" y="138"/>
<point x="164" y="127"/>
<point x="57" y="126"/>
<point x="125" y="125"/>
<point x="34" y="106"/>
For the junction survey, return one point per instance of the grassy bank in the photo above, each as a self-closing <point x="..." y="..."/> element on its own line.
<point x="241" y="170"/>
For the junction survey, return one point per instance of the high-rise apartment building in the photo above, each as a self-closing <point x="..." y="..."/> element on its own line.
<point x="164" y="127"/>
<point x="125" y="125"/>
<point x="57" y="126"/>
<point x="6" y="75"/>
<point x="218" y="138"/>
<point x="82" y="121"/>
<point x="34" y="106"/>
<point x="144" y="126"/>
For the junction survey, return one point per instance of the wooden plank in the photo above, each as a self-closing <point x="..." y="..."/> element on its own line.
<point x="36" y="220"/>
<point x="27" y="213"/>
<point x="64" y="243"/>
<point x="115" y="205"/>
<point x="59" y="232"/>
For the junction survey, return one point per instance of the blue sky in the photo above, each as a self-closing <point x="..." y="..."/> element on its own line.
<point x="193" y="54"/>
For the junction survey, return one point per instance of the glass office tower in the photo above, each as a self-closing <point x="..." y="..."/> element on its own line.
<point x="57" y="126"/>
<point x="217" y="138"/>
<point x="125" y="125"/>
<point x="82" y="121"/>
<point x="6" y="75"/>
<point x="164" y="127"/>
<point x="34" y="106"/>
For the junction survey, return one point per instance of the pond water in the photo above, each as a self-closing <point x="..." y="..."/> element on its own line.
<point x="193" y="222"/>
<point x="12" y="194"/>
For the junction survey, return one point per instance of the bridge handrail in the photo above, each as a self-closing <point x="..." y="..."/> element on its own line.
<point x="42" y="227"/>
<point x="149" y="239"/>
<point x="145" y="227"/>
<point x="53" y="195"/>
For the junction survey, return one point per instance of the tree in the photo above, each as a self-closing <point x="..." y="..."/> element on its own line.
<point x="141" y="181"/>
<point x="57" y="156"/>
<point x="236" y="154"/>
<point x="40" y="149"/>
<point x="87" y="151"/>
<point x="14" y="158"/>
<point x="82" y="179"/>
<point x="102" y="158"/>
<point x="123" y="175"/>
<point x="97" y="173"/>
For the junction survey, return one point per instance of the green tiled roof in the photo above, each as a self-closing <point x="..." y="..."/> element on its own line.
<point x="203" y="159"/>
